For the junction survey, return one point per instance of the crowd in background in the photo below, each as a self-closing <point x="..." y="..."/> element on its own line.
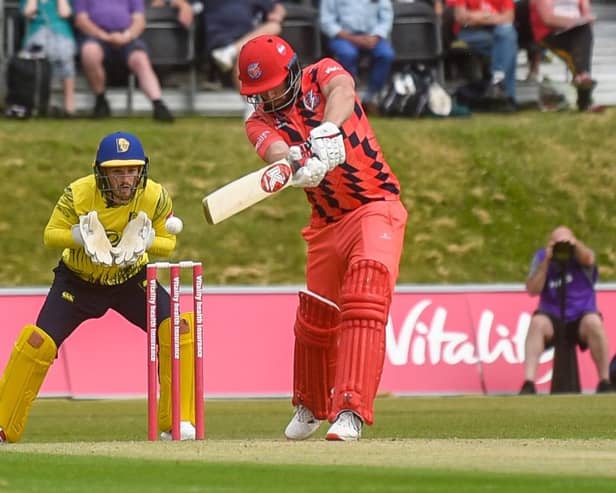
<point x="105" y="35"/>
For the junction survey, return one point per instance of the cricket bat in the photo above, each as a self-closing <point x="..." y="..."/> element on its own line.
<point x="246" y="191"/>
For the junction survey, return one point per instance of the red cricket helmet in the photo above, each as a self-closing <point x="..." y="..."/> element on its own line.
<point x="265" y="62"/>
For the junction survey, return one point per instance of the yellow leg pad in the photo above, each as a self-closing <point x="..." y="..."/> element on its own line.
<point x="187" y="371"/>
<point x="33" y="354"/>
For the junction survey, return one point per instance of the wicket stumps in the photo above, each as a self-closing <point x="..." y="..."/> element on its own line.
<point x="152" y="337"/>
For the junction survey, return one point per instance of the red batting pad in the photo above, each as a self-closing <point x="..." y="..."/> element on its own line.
<point x="366" y="297"/>
<point x="315" y="353"/>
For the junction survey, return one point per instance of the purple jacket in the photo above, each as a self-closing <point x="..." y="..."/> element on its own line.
<point x="579" y="288"/>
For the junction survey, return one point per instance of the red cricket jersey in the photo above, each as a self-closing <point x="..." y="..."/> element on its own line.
<point x="364" y="177"/>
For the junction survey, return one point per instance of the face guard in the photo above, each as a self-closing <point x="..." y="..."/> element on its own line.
<point x="120" y="149"/>
<point x="265" y="64"/>
<point x="287" y="98"/>
<point x="116" y="195"/>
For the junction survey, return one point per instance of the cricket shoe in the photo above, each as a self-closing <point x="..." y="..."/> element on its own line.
<point x="604" y="386"/>
<point x="346" y="428"/>
<point x="187" y="432"/>
<point x="3" y="438"/>
<point x="528" y="388"/>
<point x="613" y="372"/>
<point x="302" y="425"/>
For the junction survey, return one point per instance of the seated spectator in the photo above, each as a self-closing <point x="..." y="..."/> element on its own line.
<point x="487" y="28"/>
<point x="185" y="9"/>
<point x="356" y="27"/>
<point x="48" y="28"/>
<point x="526" y="40"/>
<point x="582" y="321"/>
<point x="566" y="28"/>
<point x="110" y="35"/>
<point x="229" y="24"/>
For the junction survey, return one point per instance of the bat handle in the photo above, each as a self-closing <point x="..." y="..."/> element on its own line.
<point x="305" y="153"/>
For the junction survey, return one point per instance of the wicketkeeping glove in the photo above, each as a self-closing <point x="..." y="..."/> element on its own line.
<point x="95" y="241"/>
<point x="327" y="143"/>
<point x="137" y="236"/>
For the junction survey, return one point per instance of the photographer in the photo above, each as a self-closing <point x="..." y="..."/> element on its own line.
<point x="564" y="257"/>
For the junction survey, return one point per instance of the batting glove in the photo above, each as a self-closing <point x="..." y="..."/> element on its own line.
<point x="137" y="237"/>
<point x="327" y="143"/>
<point x="95" y="242"/>
<point x="310" y="174"/>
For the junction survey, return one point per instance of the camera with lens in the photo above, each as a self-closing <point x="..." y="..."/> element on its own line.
<point x="562" y="251"/>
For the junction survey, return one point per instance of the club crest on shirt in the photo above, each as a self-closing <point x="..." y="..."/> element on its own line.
<point x="254" y="70"/>
<point x="122" y="144"/>
<point x="311" y="100"/>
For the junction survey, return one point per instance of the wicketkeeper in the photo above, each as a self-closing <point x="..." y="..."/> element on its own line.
<point x="313" y="117"/>
<point x="107" y="223"/>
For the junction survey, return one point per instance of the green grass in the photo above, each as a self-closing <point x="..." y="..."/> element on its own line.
<point x="482" y="193"/>
<point x="78" y="474"/>
<point x="564" y="429"/>
<point x="534" y="417"/>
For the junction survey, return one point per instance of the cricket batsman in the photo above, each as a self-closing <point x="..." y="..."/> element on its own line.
<point x="314" y="118"/>
<point x="106" y="223"/>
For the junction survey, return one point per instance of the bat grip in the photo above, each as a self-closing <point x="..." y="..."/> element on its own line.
<point x="306" y="153"/>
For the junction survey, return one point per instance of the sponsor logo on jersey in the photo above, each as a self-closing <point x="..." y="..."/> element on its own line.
<point x="333" y="68"/>
<point x="261" y="138"/>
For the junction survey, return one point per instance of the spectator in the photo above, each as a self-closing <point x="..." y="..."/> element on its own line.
<point x="185" y="10"/>
<point x="354" y="239"/>
<point x="111" y="33"/>
<point x="582" y="321"/>
<point x="526" y="40"/>
<point x="356" y="27"/>
<point x="229" y="24"/>
<point x="487" y="28"/>
<point x="565" y="28"/>
<point x="48" y="27"/>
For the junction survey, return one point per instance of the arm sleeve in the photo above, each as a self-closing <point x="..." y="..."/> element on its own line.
<point x="57" y="233"/>
<point x="137" y="6"/>
<point x="79" y="6"/>
<point x="164" y="242"/>
<point x="385" y="20"/>
<point x="327" y="19"/>
<point x="261" y="135"/>
<point x="534" y="265"/>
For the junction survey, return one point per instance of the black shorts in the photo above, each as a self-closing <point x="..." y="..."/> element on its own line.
<point x="572" y="329"/>
<point x="72" y="300"/>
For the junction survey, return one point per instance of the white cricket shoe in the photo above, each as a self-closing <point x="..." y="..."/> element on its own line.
<point x="346" y="428"/>
<point x="302" y="425"/>
<point x="224" y="57"/>
<point x="187" y="432"/>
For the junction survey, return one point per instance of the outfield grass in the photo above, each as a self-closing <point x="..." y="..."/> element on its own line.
<point x="420" y="444"/>
<point x="482" y="193"/>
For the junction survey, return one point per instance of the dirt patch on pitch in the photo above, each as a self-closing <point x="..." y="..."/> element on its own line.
<point x="570" y="457"/>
